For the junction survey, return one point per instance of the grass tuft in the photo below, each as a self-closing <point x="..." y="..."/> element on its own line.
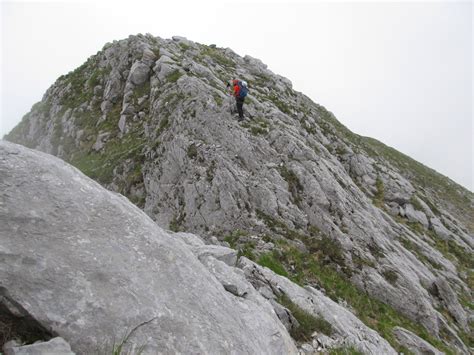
<point x="308" y="323"/>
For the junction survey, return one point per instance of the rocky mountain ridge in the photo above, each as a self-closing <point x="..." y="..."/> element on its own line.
<point x="85" y="264"/>
<point x="291" y="188"/>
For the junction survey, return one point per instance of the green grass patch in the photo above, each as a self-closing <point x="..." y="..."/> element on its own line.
<point x="176" y="222"/>
<point x="312" y="268"/>
<point x="218" y="99"/>
<point x="359" y="262"/>
<point x="234" y="237"/>
<point x="270" y="260"/>
<point x="454" y="252"/>
<point x="415" y="202"/>
<point x="164" y="124"/>
<point x="247" y="250"/>
<point x="378" y="199"/>
<point x="257" y="131"/>
<point x="192" y="151"/>
<point x="282" y="106"/>
<point x="82" y="81"/>
<point x="100" y="165"/>
<point x="121" y="347"/>
<point x="294" y="185"/>
<point x="218" y="56"/>
<point x="308" y="323"/>
<point x="391" y="276"/>
<point x="416" y="227"/>
<point x="184" y="46"/>
<point x="174" y="76"/>
<point x="257" y="127"/>
<point x="278" y="227"/>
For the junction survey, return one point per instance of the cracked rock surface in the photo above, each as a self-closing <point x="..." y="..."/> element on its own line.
<point x="88" y="265"/>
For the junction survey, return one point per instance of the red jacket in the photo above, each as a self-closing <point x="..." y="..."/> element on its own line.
<point x="236" y="88"/>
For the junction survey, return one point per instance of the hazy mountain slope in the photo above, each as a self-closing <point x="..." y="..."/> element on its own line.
<point x="291" y="187"/>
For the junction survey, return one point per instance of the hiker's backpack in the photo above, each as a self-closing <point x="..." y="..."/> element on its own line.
<point x="243" y="89"/>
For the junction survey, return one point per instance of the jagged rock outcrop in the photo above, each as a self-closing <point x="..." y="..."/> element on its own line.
<point x="413" y="343"/>
<point x="150" y="118"/>
<point x="88" y="265"/>
<point x="348" y="330"/>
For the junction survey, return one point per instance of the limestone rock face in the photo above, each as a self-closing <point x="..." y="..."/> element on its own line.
<point x="415" y="344"/>
<point x="90" y="266"/>
<point x="55" y="346"/>
<point x="150" y="118"/>
<point x="349" y="330"/>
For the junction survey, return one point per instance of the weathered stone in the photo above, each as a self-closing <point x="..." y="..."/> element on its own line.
<point x="190" y="239"/>
<point x="322" y="341"/>
<point x="148" y="57"/>
<point x="122" y="123"/>
<point x="439" y="228"/>
<point x="105" y="106"/>
<point x="450" y="301"/>
<point x="232" y="279"/>
<point x="139" y="73"/>
<point x="98" y="90"/>
<point x="345" y="324"/>
<point x="91" y="266"/>
<point x="113" y="87"/>
<point x="285" y="316"/>
<point x="227" y="255"/>
<point x="414" y="343"/>
<point x="55" y="346"/>
<point x="416" y="216"/>
<point x="99" y="143"/>
<point x="307" y="349"/>
<point x="164" y="67"/>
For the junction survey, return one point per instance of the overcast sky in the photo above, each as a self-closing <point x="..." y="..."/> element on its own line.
<point x="398" y="72"/>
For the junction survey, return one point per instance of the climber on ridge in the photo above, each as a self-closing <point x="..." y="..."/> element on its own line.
<point x="239" y="91"/>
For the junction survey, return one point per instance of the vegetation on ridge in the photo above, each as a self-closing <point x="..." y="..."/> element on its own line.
<point x="313" y="269"/>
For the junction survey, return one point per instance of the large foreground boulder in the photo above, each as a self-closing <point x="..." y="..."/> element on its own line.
<point x="92" y="268"/>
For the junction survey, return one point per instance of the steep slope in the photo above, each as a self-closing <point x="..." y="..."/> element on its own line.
<point x="291" y="187"/>
<point x="90" y="266"/>
<point x="84" y="263"/>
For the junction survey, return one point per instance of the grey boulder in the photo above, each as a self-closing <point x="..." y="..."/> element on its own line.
<point x="90" y="266"/>
<point x="55" y="346"/>
<point x="416" y="216"/>
<point x="139" y="73"/>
